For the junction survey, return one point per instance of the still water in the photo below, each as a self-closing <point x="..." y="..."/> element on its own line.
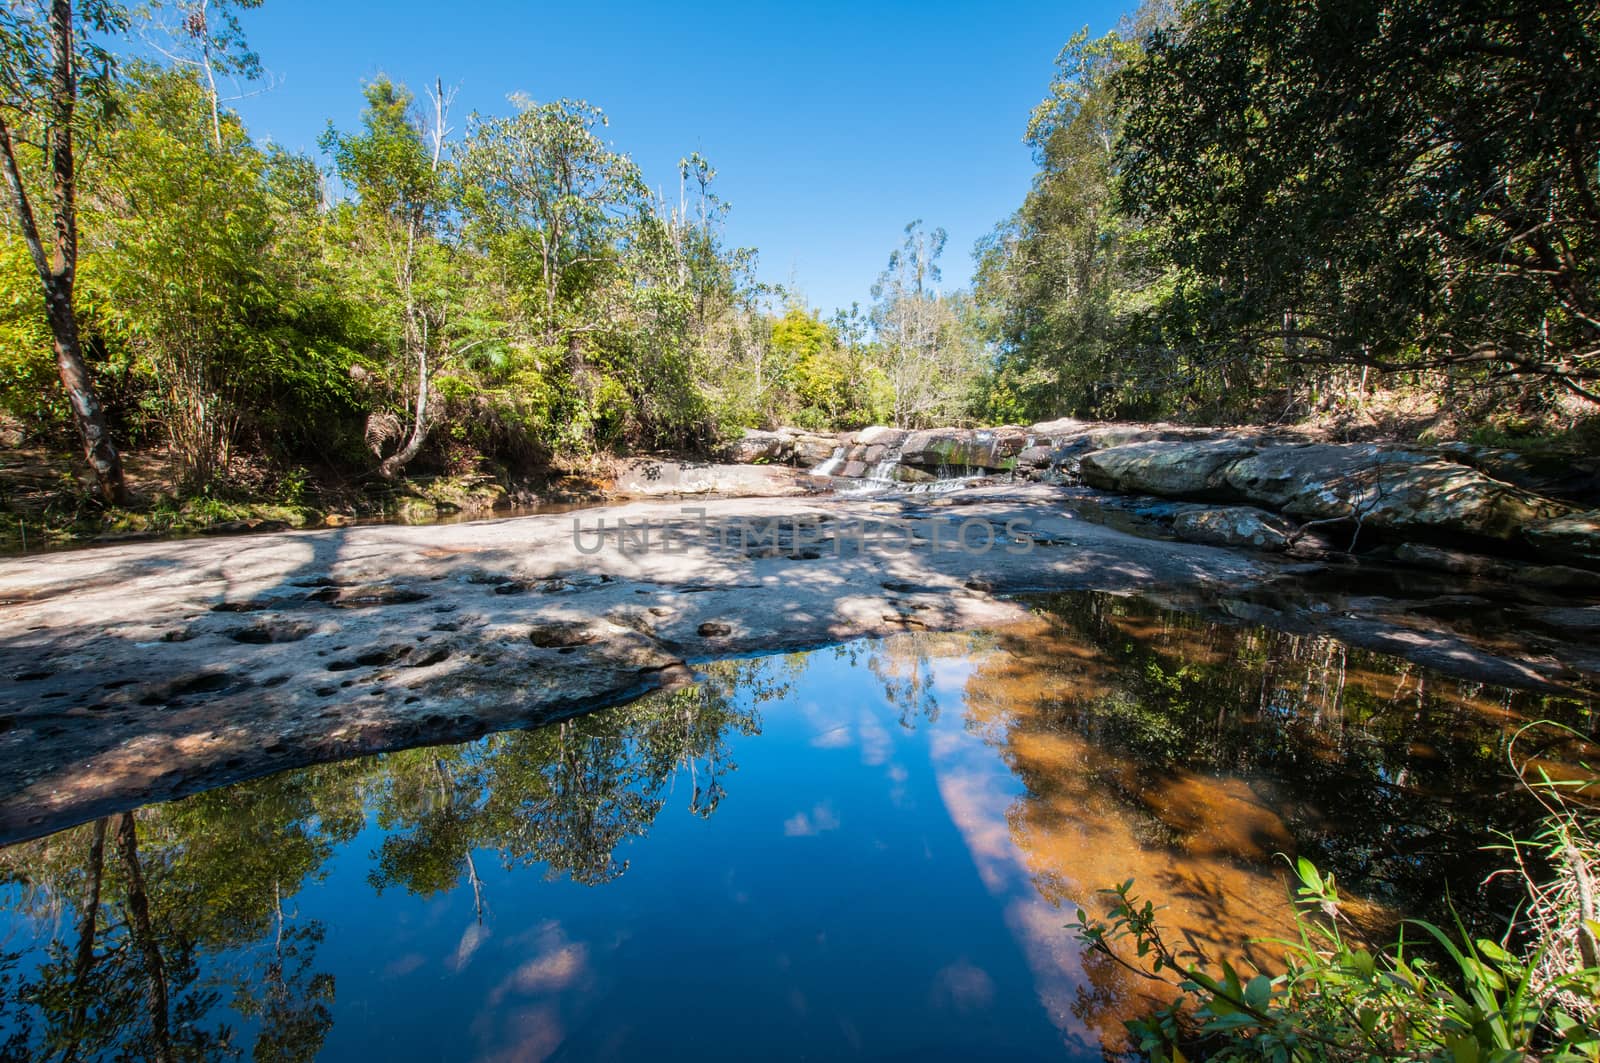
<point x="870" y="850"/>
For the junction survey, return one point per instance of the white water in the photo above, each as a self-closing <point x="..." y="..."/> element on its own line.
<point x="831" y="466"/>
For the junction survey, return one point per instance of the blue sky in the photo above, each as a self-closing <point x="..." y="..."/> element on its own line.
<point x="831" y="125"/>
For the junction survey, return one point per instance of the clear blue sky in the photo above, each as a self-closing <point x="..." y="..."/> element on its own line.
<point x="831" y="125"/>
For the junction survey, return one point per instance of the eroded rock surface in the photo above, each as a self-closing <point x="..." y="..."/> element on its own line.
<point x="1377" y="487"/>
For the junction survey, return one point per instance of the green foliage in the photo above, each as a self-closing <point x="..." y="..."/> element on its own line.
<point x="235" y="326"/>
<point x="1066" y="277"/>
<point x="1336" y="196"/>
<point x="1444" y="996"/>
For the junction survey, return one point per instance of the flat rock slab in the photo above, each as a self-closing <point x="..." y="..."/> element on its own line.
<point x="148" y="671"/>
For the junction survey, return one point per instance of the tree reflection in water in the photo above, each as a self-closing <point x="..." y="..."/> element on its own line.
<point x="153" y="918"/>
<point x="1189" y="755"/>
<point x="1108" y="739"/>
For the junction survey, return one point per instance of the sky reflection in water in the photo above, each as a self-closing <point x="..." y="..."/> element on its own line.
<point x="867" y="850"/>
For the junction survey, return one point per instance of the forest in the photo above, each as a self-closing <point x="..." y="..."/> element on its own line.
<point x="1250" y="209"/>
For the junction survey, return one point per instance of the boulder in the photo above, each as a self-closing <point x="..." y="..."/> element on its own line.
<point x="1384" y="488"/>
<point x="987" y="448"/>
<point x="1394" y="490"/>
<point x="650" y="478"/>
<point x="878" y="435"/>
<point x="1569" y="537"/>
<point x="811" y="449"/>
<point x="1169" y="469"/>
<point x="757" y="445"/>
<point x="1243" y="526"/>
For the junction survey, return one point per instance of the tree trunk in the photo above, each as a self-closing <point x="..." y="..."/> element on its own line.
<point x="394" y="463"/>
<point x="144" y="938"/>
<point x="87" y="919"/>
<point x="58" y="270"/>
<point x="98" y="449"/>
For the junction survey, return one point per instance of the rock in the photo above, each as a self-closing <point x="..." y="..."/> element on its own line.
<point x="852" y="469"/>
<point x="338" y="520"/>
<point x="1387" y="489"/>
<point x="1064" y="426"/>
<point x="759" y="446"/>
<point x="910" y="474"/>
<point x="1441" y="560"/>
<point x="473" y="494"/>
<point x="1569" y="537"/>
<point x="650" y="478"/>
<point x="1585" y="619"/>
<point x="1557" y="475"/>
<point x="813" y="449"/>
<point x="1559" y="578"/>
<point x="878" y="435"/>
<point x="1243" y="526"/>
<point x="1170" y="469"/>
<point x="986" y="448"/>
<point x="1383" y="488"/>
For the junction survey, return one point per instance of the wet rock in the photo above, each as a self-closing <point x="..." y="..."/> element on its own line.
<point x="853" y="469"/>
<point x="987" y="448"/>
<point x="1584" y="620"/>
<point x="271" y="631"/>
<point x="1570" y="537"/>
<point x="471" y="494"/>
<point x="813" y="449"/>
<point x="367" y="596"/>
<point x="714" y="629"/>
<point x="409" y="509"/>
<point x="1243" y="526"/>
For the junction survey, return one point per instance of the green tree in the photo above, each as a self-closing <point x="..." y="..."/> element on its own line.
<point x="1403" y="185"/>
<point x="927" y="353"/>
<point x="1064" y="277"/>
<point x="548" y="201"/>
<point x="52" y="59"/>
<point x="395" y="167"/>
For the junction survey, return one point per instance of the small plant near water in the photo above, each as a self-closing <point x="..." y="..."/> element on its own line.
<point x="1534" y="994"/>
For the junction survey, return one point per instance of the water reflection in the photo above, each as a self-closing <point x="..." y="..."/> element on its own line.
<point x="889" y="872"/>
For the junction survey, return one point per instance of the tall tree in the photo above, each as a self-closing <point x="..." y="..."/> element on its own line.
<point x="394" y="164"/>
<point x="928" y="357"/>
<point x="47" y="68"/>
<point x="549" y="201"/>
<point x="1402" y="184"/>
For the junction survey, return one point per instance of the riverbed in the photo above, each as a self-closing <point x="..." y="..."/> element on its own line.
<point x="785" y="777"/>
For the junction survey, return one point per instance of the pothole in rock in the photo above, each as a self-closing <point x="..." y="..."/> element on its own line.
<point x="372" y="657"/>
<point x="199" y="683"/>
<point x="714" y="629"/>
<point x="367" y="596"/>
<point x="562" y="635"/>
<point x="274" y="631"/>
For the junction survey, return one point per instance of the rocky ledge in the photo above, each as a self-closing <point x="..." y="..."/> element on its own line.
<point x="1248" y="487"/>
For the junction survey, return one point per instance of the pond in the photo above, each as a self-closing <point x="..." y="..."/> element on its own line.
<point x="867" y="850"/>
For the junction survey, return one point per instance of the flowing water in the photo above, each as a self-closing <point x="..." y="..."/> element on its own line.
<point x="870" y="850"/>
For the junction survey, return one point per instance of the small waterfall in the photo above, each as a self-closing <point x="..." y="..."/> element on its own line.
<point x="831" y="466"/>
<point x="883" y="471"/>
